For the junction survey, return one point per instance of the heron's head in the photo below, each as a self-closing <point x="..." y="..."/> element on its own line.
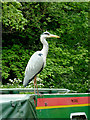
<point x="48" y="35"/>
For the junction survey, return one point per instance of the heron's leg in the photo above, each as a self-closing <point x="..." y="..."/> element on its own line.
<point x="37" y="88"/>
<point x="34" y="84"/>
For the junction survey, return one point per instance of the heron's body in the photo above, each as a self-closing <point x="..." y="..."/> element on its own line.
<point x="38" y="60"/>
<point x="34" y="66"/>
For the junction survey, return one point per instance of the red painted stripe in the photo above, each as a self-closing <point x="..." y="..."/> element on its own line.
<point x="62" y="101"/>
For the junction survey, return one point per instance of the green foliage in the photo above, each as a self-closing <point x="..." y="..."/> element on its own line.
<point x="67" y="61"/>
<point x="66" y="68"/>
<point x="12" y="17"/>
<point x="14" y="62"/>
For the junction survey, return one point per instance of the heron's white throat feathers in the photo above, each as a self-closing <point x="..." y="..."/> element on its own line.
<point x="43" y="40"/>
<point x="45" y="46"/>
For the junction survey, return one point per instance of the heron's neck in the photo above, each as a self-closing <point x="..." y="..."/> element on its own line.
<point x="45" y="46"/>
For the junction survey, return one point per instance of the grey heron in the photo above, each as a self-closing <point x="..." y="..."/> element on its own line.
<point x="37" y="61"/>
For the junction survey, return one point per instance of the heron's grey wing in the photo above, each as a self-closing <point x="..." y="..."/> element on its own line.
<point x="34" y="66"/>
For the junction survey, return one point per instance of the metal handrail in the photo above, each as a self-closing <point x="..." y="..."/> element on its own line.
<point x="41" y="90"/>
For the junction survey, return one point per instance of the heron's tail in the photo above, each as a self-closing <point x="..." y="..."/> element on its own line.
<point x="26" y="81"/>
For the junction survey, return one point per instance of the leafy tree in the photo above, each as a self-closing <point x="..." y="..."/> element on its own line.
<point x="12" y="17"/>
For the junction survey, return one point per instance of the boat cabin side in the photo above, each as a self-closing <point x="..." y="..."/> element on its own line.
<point x="71" y="106"/>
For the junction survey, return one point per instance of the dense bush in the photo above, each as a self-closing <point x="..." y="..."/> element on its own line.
<point x="66" y="68"/>
<point x="12" y="17"/>
<point x="67" y="61"/>
<point x="14" y="62"/>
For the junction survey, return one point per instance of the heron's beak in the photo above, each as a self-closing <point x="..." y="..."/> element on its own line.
<point x="54" y="36"/>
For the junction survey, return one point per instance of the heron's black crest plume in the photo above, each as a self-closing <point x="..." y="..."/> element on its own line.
<point x="46" y="33"/>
